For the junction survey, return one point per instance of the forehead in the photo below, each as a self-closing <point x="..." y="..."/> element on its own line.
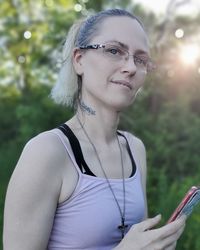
<point x="123" y="29"/>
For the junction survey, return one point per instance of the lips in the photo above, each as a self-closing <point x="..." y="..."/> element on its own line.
<point x="122" y="82"/>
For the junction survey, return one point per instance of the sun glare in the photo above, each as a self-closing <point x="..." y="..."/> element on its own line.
<point x="189" y="54"/>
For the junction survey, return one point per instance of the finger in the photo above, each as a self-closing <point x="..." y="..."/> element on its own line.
<point x="182" y="217"/>
<point x="149" y="223"/>
<point x="171" y="228"/>
<point x="170" y="240"/>
<point x="167" y="243"/>
<point x="177" y="225"/>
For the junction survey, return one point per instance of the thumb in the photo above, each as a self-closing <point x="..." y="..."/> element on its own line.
<point x="149" y="223"/>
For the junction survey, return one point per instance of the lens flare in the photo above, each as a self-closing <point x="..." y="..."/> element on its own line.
<point x="189" y="54"/>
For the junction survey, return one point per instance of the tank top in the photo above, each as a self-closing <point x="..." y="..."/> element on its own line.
<point x="89" y="219"/>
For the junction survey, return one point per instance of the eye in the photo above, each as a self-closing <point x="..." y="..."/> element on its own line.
<point x="114" y="50"/>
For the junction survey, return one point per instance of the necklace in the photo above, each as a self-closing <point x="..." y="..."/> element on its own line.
<point x="123" y="226"/>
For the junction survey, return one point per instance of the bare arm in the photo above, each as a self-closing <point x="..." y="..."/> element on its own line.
<point x="32" y="195"/>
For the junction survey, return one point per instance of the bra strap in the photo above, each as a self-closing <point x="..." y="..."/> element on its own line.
<point x="130" y="154"/>
<point x="76" y="148"/>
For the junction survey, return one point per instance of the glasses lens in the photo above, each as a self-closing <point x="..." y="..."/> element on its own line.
<point x="119" y="54"/>
<point x="114" y="52"/>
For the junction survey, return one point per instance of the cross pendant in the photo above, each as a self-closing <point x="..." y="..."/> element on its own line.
<point x="122" y="228"/>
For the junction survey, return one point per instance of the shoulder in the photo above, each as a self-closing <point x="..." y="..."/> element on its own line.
<point x="42" y="156"/>
<point x="47" y="145"/>
<point x="38" y="175"/>
<point x="135" y="142"/>
<point x="139" y="152"/>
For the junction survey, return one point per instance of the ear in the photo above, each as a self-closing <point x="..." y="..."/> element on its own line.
<point x="77" y="57"/>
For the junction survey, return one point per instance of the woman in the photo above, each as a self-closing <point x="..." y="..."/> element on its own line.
<point x="82" y="185"/>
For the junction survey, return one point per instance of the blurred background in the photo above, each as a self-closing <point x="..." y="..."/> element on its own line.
<point x="166" y="114"/>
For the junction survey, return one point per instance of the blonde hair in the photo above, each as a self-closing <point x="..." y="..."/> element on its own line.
<point x="64" y="90"/>
<point x="67" y="90"/>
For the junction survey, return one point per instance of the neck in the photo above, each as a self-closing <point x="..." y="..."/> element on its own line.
<point x="101" y="125"/>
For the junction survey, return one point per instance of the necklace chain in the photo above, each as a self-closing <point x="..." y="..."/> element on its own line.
<point x="122" y="213"/>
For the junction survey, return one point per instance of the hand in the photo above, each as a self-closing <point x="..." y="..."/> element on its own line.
<point x="141" y="236"/>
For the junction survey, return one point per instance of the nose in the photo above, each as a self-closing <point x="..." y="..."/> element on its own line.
<point x="129" y="65"/>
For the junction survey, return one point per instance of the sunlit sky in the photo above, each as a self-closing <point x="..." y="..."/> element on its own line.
<point x="188" y="52"/>
<point x="159" y="6"/>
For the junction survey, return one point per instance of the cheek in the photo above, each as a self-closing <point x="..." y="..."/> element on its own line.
<point x="97" y="71"/>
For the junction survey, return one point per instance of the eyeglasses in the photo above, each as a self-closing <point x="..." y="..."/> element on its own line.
<point x="118" y="54"/>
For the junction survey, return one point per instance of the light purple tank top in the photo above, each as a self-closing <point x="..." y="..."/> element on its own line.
<point x="89" y="219"/>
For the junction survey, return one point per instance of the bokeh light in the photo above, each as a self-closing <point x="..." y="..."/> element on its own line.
<point x="27" y="34"/>
<point x="179" y="33"/>
<point x="21" y="59"/>
<point x="77" y="7"/>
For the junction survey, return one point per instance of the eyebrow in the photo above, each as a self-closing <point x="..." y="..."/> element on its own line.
<point x="123" y="45"/>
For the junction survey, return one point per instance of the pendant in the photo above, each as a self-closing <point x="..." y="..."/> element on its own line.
<point x="122" y="227"/>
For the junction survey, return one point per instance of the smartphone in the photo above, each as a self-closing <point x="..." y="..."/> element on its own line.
<point x="190" y="200"/>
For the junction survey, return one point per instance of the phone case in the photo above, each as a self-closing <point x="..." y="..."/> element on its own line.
<point x="191" y="199"/>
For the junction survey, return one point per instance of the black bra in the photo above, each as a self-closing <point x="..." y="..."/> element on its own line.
<point x="76" y="148"/>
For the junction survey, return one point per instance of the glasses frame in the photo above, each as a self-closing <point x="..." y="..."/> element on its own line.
<point x="150" y="64"/>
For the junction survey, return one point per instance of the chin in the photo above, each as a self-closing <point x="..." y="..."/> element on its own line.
<point x="122" y="105"/>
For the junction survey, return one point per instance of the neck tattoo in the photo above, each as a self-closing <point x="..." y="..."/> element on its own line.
<point x="86" y="108"/>
<point x="122" y="227"/>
